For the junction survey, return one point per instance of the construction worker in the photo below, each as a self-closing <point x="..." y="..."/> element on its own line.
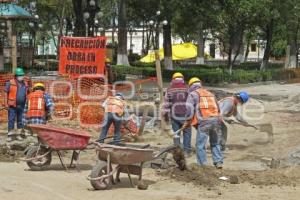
<point x="115" y="111"/>
<point x="203" y="113"/>
<point x="174" y="108"/>
<point x="16" y="91"/>
<point x="228" y="108"/>
<point x="39" y="106"/>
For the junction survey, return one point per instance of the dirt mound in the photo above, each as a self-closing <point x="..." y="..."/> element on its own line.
<point x="206" y="176"/>
<point x="265" y="178"/>
<point x="12" y="151"/>
<point x="178" y="156"/>
<point x="209" y="176"/>
<point x="8" y="155"/>
<point x="220" y="94"/>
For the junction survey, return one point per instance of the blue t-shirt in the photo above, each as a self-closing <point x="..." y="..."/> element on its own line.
<point x="21" y="92"/>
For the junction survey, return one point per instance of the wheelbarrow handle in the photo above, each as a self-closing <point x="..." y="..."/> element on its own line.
<point x="167" y="149"/>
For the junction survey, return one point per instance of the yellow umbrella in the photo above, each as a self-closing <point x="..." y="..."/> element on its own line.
<point x="179" y="52"/>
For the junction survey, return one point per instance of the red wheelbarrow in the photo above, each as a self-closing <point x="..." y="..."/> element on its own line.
<point x="54" y="139"/>
<point x="128" y="159"/>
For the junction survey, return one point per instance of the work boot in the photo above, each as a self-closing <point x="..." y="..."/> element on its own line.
<point x="19" y="134"/>
<point x="187" y="154"/>
<point x="219" y="166"/>
<point x="22" y="133"/>
<point x="19" y="138"/>
<point x="10" y="136"/>
<point x="223" y="147"/>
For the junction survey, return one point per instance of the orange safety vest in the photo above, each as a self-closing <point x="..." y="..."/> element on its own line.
<point x="12" y="94"/>
<point x="234" y="108"/>
<point x="36" y="104"/>
<point x="115" y="105"/>
<point x="207" y="106"/>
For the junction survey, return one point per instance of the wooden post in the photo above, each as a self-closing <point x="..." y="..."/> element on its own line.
<point x="14" y="52"/>
<point x="160" y="86"/>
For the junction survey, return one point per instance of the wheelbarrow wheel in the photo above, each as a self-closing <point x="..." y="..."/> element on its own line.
<point x="41" y="163"/>
<point x="99" y="170"/>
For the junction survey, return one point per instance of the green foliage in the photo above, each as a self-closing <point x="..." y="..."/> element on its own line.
<point x="209" y="75"/>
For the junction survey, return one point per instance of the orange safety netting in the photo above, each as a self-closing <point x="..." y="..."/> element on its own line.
<point x="77" y="98"/>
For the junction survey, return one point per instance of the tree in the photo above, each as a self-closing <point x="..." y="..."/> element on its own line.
<point x="236" y="16"/>
<point x="52" y="15"/>
<point x="78" y="14"/>
<point x="290" y="12"/>
<point x="192" y="18"/>
<point x="269" y="17"/>
<point x="122" y="58"/>
<point x="167" y="8"/>
<point x="139" y="15"/>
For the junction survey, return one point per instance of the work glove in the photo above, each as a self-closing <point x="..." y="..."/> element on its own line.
<point x="185" y="125"/>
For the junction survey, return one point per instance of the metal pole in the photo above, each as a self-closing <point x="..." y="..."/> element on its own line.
<point x="86" y="30"/>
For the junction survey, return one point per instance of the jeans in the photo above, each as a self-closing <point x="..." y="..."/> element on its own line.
<point x="187" y="135"/>
<point x="223" y="140"/>
<point x="111" y="118"/>
<point x="13" y="113"/>
<point x="214" y="133"/>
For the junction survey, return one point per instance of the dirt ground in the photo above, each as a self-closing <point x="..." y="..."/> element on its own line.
<point x="248" y="161"/>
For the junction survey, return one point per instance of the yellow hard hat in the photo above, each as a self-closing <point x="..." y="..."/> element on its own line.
<point x="39" y="85"/>
<point x="107" y="60"/>
<point x="177" y="75"/>
<point x="194" y="80"/>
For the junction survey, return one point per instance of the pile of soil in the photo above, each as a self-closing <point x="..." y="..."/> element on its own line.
<point x="12" y="151"/>
<point x="8" y="155"/>
<point x="178" y="156"/>
<point x="278" y="177"/>
<point x="220" y="94"/>
<point x="209" y="176"/>
<point x="205" y="176"/>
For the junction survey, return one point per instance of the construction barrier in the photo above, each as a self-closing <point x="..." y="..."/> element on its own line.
<point x="78" y="99"/>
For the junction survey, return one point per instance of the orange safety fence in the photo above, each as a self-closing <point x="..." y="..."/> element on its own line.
<point x="77" y="99"/>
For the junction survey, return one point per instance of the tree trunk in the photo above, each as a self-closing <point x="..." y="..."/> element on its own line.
<point x="229" y="63"/>
<point x="238" y="46"/>
<point x="230" y="48"/>
<point x="143" y="40"/>
<point x="156" y="37"/>
<point x="122" y="58"/>
<point x="61" y="26"/>
<point x="147" y="42"/>
<point x="79" y="23"/>
<point x="292" y="54"/>
<point x="247" y="50"/>
<point x="113" y="29"/>
<point x="168" y="47"/>
<point x="200" y="46"/>
<point x="269" y="35"/>
<point x="292" y="41"/>
<point x="287" y="57"/>
<point x="292" y="32"/>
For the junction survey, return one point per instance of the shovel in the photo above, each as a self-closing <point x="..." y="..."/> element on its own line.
<point x="268" y="128"/>
<point x="176" y="137"/>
